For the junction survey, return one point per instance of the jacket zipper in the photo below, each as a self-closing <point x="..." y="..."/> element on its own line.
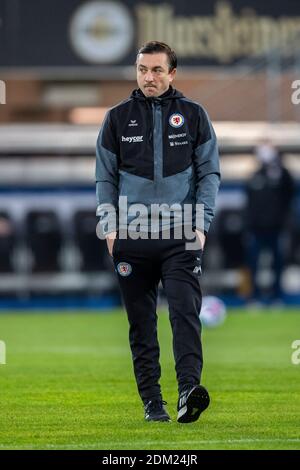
<point x="157" y="142"/>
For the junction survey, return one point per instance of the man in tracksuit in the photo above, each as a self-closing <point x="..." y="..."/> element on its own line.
<point x="158" y="148"/>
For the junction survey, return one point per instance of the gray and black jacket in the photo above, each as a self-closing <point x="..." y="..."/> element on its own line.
<point x="156" y="151"/>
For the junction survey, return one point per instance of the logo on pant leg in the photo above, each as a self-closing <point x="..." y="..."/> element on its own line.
<point x="197" y="270"/>
<point x="124" y="269"/>
<point x="197" y="267"/>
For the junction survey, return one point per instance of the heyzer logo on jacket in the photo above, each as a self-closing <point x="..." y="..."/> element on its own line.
<point x="135" y="138"/>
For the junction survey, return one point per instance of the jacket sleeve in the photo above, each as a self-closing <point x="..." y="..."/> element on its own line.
<point x="207" y="171"/>
<point x="107" y="176"/>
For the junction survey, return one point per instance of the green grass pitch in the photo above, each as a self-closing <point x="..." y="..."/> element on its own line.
<point x="68" y="384"/>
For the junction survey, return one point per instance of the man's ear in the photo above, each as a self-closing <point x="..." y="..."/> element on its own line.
<point x="172" y="75"/>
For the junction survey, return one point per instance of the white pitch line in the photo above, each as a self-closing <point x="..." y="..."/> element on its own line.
<point x="99" y="445"/>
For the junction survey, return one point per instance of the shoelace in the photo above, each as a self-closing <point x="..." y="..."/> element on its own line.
<point x="153" y="405"/>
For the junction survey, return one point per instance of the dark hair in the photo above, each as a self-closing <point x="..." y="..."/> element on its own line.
<point x="154" y="47"/>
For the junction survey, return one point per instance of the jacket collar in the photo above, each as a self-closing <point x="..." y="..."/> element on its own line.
<point x="170" y="94"/>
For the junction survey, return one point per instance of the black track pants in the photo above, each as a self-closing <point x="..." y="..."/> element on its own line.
<point x="140" y="265"/>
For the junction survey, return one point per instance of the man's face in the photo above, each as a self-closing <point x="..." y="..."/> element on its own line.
<point x="153" y="74"/>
